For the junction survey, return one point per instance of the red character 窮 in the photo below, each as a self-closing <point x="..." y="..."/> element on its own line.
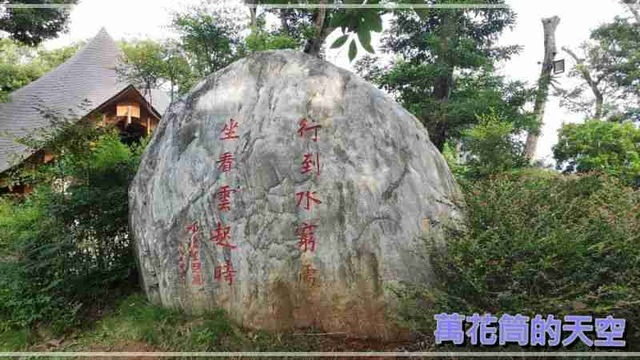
<point x="304" y="127"/>
<point x="308" y="163"/>
<point x="221" y="236"/>
<point x="309" y="196"/>
<point x="225" y="271"/>
<point x="226" y="161"/>
<point x="229" y="130"/>
<point x="307" y="237"/>
<point x="224" y="196"/>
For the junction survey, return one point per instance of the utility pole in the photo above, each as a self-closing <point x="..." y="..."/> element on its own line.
<point x="549" y="25"/>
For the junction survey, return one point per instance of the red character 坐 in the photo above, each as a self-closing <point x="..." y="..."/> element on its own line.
<point x="229" y="130"/>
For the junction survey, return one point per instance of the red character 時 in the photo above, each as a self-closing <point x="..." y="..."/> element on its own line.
<point x="229" y="130"/>
<point x="304" y="127"/>
<point x="225" y="271"/>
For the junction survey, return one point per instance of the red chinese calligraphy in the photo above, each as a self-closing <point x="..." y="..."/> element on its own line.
<point x="308" y="274"/>
<point x="308" y="163"/>
<point x="307" y="237"/>
<point x="308" y="195"/>
<point x="226" y="161"/>
<point x="193" y="228"/>
<point x="304" y="128"/>
<point x="196" y="279"/>
<point x="229" y="130"/>
<point x="224" y="198"/>
<point x="225" y="271"/>
<point x="221" y="236"/>
<point x="194" y="253"/>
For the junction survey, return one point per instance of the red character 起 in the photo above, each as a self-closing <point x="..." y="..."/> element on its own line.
<point x="221" y="236"/>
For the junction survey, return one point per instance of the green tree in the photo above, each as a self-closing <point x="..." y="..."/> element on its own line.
<point x="443" y="69"/>
<point x="612" y="148"/>
<point x="20" y="64"/>
<point x="31" y="26"/>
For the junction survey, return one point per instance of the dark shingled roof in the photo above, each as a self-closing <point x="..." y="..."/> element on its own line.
<point x="89" y="75"/>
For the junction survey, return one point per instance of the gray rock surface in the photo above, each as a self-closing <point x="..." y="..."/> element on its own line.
<point x="382" y="186"/>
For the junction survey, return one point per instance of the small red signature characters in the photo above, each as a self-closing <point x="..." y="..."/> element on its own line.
<point x="307" y="237"/>
<point x="224" y="271"/>
<point x="308" y="274"/>
<point x="194" y="252"/>
<point x="224" y="198"/>
<point x="309" y="196"/>
<point x="309" y="163"/>
<point x="226" y="162"/>
<point x="304" y="127"/>
<point x="229" y="130"/>
<point x="221" y="236"/>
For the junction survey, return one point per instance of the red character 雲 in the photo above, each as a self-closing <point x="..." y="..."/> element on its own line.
<point x="229" y="130"/>
<point x="221" y="236"/>
<point x="225" y="271"/>
<point x="309" y="196"/>
<point x="304" y="127"/>
<point x="224" y="196"/>
<point x="308" y="163"/>
<point x="307" y="237"/>
<point x="226" y="161"/>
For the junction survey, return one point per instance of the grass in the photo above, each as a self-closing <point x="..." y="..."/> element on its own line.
<point x="133" y="324"/>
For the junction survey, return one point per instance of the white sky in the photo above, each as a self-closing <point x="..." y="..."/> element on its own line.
<point x="130" y="19"/>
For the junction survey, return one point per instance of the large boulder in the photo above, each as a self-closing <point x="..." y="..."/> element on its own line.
<point x="291" y="193"/>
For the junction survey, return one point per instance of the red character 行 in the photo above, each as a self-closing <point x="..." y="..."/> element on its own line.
<point x="224" y="196"/>
<point x="226" y="161"/>
<point x="221" y="236"/>
<point x="307" y="237"/>
<point x="225" y="270"/>
<point x="229" y="131"/>
<point x="308" y="162"/>
<point x="304" y="127"/>
<point x="309" y="196"/>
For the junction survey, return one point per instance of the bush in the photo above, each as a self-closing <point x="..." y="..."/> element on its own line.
<point x="539" y="242"/>
<point x="67" y="243"/>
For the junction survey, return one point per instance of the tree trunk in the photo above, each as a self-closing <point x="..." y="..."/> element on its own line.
<point x="549" y="25"/>
<point x="314" y="45"/>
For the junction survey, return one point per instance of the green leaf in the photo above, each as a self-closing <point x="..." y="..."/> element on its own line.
<point x="364" y="35"/>
<point x="340" y="41"/>
<point x="353" y="50"/>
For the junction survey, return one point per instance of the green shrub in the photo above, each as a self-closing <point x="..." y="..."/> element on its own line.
<point x="66" y="245"/>
<point x="535" y="242"/>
